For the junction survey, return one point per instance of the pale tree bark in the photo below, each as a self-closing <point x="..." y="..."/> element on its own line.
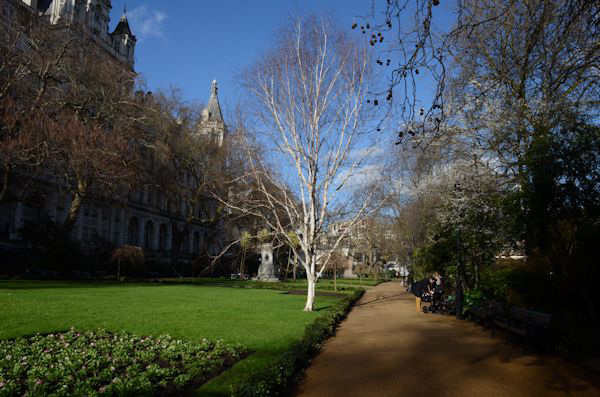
<point x="313" y="119"/>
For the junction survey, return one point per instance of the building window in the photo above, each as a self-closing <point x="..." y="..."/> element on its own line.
<point x="151" y="197"/>
<point x="162" y="237"/>
<point x="149" y="235"/>
<point x="85" y="236"/>
<point x="133" y="232"/>
<point x="196" y="246"/>
<point x="186" y="242"/>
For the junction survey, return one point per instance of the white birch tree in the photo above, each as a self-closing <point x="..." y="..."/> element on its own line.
<point x="313" y="116"/>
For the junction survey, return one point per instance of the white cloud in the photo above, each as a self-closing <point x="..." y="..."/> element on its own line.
<point x="147" y="23"/>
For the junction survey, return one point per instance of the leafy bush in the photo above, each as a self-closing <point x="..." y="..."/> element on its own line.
<point x="101" y="363"/>
<point x="275" y="379"/>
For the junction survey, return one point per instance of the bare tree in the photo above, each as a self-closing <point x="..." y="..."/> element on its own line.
<point x="311" y="107"/>
<point x="522" y="62"/>
<point x="23" y="143"/>
<point x="89" y="160"/>
<point x="33" y="57"/>
<point x="183" y="166"/>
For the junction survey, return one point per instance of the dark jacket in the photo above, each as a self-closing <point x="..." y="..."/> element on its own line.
<point x="419" y="287"/>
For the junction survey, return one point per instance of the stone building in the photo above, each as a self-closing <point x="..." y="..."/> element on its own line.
<point x="137" y="217"/>
<point x="86" y="18"/>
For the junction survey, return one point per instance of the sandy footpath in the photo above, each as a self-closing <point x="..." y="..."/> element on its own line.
<point x="385" y="348"/>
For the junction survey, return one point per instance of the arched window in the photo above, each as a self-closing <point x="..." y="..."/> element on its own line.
<point x="162" y="237"/>
<point x="149" y="235"/>
<point x="133" y="232"/>
<point x="186" y="241"/>
<point x="196" y="249"/>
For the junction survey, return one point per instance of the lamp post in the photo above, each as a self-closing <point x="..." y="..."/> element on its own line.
<point x="458" y="295"/>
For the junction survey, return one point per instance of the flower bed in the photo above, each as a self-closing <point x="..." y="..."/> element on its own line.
<point x="102" y="363"/>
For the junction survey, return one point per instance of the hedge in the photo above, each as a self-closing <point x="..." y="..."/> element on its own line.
<point x="281" y="376"/>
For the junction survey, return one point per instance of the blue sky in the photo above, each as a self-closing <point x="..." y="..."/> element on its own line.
<point x="187" y="43"/>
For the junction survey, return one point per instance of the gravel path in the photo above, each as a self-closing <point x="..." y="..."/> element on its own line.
<point x="385" y="348"/>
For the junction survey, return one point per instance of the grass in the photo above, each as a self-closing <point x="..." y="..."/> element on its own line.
<point x="264" y="321"/>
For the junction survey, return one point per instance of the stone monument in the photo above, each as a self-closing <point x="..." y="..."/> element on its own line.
<point x="348" y="271"/>
<point x="266" y="271"/>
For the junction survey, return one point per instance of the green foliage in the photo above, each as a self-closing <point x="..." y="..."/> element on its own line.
<point x="294" y="239"/>
<point x="272" y="381"/>
<point x="561" y="214"/>
<point x="263" y="235"/>
<point x="473" y="298"/>
<point x="263" y="321"/>
<point x="91" y="363"/>
<point x="437" y="255"/>
<point x="246" y="240"/>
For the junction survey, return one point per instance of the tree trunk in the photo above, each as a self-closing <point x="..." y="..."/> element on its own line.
<point x="71" y="218"/>
<point x="476" y="271"/>
<point x="287" y="268"/>
<point x="119" y="270"/>
<point x="5" y="181"/>
<point x="310" y="294"/>
<point x="242" y="264"/>
<point x="294" y="269"/>
<point x="334" y="276"/>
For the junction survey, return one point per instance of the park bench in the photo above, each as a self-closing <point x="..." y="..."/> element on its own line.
<point x="529" y="325"/>
<point x="486" y="313"/>
<point x="238" y="276"/>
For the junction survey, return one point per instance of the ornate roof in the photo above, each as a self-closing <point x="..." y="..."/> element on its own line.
<point x="123" y="26"/>
<point x="214" y="109"/>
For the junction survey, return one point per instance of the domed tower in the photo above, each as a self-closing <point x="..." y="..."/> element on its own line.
<point x="211" y="124"/>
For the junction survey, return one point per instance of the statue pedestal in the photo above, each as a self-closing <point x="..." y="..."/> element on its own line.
<point x="348" y="273"/>
<point x="266" y="271"/>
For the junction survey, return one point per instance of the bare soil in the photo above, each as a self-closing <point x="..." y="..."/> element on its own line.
<point x="386" y="348"/>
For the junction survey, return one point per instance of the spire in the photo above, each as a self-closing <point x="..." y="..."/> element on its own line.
<point x="123" y="25"/>
<point x="211" y="124"/>
<point x="213" y="89"/>
<point x="214" y="109"/>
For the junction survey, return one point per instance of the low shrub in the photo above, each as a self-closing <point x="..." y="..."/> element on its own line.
<point x="101" y="363"/>
<point x="279" y="377"/>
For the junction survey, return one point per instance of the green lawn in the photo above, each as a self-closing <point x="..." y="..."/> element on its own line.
<point x="264" y="321"/>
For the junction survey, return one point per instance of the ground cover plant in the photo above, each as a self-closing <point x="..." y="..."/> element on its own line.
<point x="75" y="363"/>
<point x="264" y="321"/>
